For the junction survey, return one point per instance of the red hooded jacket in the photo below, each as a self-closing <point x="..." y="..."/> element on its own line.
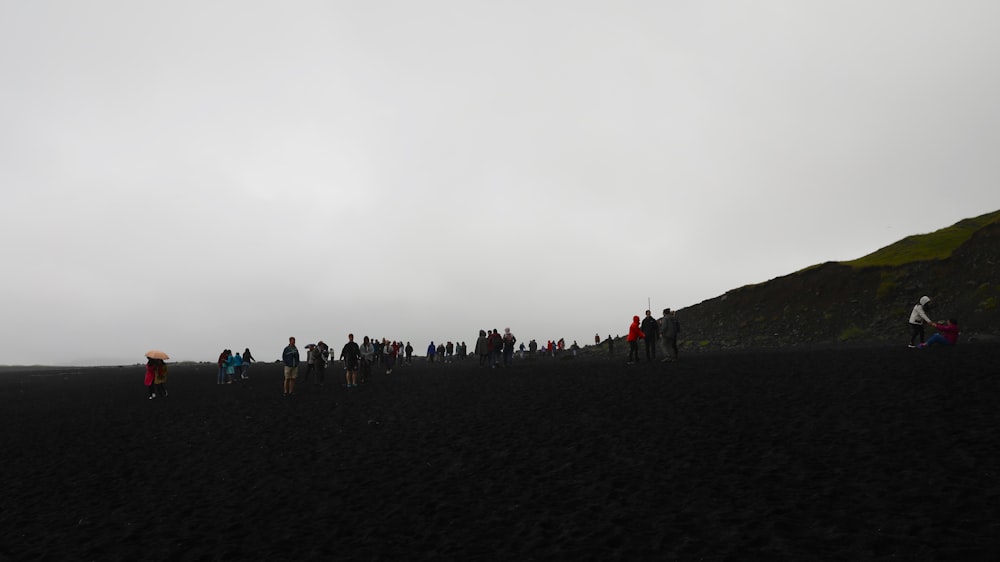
<point x="948" y="332"/>
<point x="634" y="331"/>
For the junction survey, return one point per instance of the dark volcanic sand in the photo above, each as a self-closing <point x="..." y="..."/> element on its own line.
<point x="793" y="455"/>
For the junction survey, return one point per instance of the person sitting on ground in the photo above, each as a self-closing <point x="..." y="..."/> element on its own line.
<point x="947" y="334"/>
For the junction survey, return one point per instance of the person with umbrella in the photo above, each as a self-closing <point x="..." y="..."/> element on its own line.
<point x="156" y="373"/>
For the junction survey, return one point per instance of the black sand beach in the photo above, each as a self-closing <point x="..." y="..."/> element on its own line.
<point x="883" y="453"/>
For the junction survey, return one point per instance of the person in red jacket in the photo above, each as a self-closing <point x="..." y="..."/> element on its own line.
<point x="634" y="335"/>
<point x="947" y="334"/>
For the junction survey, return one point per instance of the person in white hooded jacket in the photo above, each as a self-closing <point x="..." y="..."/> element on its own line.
<point x="917" y="318"/>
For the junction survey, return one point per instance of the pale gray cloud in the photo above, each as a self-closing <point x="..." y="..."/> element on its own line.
<point x="197" y="176"/>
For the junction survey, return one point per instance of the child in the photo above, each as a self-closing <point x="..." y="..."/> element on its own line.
<point x="947" y="334"/>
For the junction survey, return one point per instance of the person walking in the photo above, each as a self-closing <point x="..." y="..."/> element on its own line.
<point x="669" y="330"/>
<point x="650" y="333"/>
<point x="482" y="349"/>
<point x="290" y="357"/>
<point x="237" y="366"/>
<point x="247" y="360"/>
<point x="351" y="355"/>
<point x="496" y="347"/>
<point x="634" y="335"/>
<point x="150" y="378"/>
<point x="160" y="380"/>
<point x="223" y="358"/>
<point x="918" y="316"/>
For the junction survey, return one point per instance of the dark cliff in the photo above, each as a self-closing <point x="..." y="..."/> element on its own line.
<point x="837" y="303"/>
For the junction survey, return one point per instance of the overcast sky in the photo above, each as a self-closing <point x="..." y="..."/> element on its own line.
<point x="194" y="176"/>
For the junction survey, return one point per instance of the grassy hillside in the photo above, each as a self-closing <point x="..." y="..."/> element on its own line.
<point x="867" y="300"/>
<point x="923" y="247"/>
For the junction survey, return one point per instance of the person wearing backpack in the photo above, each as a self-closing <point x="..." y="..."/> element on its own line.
<point x="508" y="347"/>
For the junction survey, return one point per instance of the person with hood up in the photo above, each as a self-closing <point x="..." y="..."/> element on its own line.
<point x="634" y="335"/>
<point x="918" y="316"/>
<point x="508" y="347"/>
<point x="650" y="332"/>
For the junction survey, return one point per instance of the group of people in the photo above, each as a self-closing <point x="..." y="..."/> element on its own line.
<point x="947" y="330"/>
<point x="446" y="352"/>
<point x="651" y="330"/>
<point x="234" y="366"/>
<point x="492" y="348"/>
<point x="358" y="360"/>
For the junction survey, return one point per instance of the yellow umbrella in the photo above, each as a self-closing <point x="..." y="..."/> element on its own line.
<point x="156" y="354"/>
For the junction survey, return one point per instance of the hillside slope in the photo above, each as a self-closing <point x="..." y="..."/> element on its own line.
<point x="866" y="300"/>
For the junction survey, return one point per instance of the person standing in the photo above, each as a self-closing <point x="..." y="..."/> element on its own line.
<point x="917" y="318"/>
<point x="367" y="357"/>
<point x="389" y="350"/>
<point x="317" y="362"/>
<point x="310" y="365"/>
<point x="230" y="366"/>
<point x="634" y="335"/>
<point x="508" y="347"/>
<point x="290" y="357"/>
<point x="431" y="352"/>
<point x="650" y="333"/>
<point x="350" y="355"/>
<point x="223" y="358"/>
<point x="409" y="353"/>
<point x="611" y="346"/>
<point x="669" y="330"/>
<point x="482" y="350"/>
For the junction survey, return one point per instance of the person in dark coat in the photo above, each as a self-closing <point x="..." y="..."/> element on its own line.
<point x="650" y="332"/>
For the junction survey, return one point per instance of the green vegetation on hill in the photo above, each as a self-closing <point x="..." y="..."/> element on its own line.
<point x="865" y="301"/>
<point x="923" y="247"/>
